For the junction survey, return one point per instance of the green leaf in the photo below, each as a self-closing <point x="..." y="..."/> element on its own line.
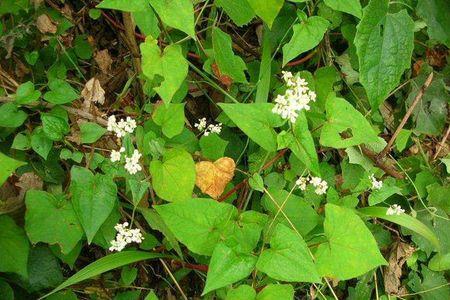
<point x="342" y="117"/>
<point x="170" y="117"/>
<point x="93" y="199"/>
<point x="6" y="290"/>
<point x="212" y="146"/>
<point x="44" y="271"/>
<point x="350" y="243"/>
<point x="228" y="63"/>
<point x="138" y="189"/>
<point x="288" y="258"/>
<point x="105" y="264"/>
<point x="257" y="121"/>
<point x="242" y="292"/>
<point x="14" y="247"/>
<point x="40" y="143"/>
<point x="438" y="196"/>
<point x="303" y="144"/>
<point x="26" y="93"/>
<point x="8" y="166"/>
<point x="198" y="223"/>
<point x="267" y="10"/>
<point x="276" y="291"/>
<point x="91" y="132"/>
<point x="171" y="65"/>
<point x="387" y="190"/>
<point x="124" y="5"/>
<point x="434" y="285"/>
<point x="60" y="92"/>
<point x="402" y="139"/>
<point x="226" y="267"/>
<point x="300" y="213"/>
<point x="435" y="13"/>
<point x="403" y="220"/>
<point x="178" y="14"/>
<point x="239" y="11"/>
<point x="21" y="142"/>
<point x="54" y="126"/>
<point x="51" y="220"/>
<point x="352" y="7"/>
<point x="147" y="21"/>
<point x="307" y="35"/>
<point x="173" y="178"/>
<point x="384" y="43"/>
<point x="11" y="116"/>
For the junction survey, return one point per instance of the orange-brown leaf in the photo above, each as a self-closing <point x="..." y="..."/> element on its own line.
<point x="213" y="177"/>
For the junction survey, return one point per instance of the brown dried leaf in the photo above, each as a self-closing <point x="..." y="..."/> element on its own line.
<point x="29" y="181"/>
<point x="224" y="79"/>
<point x="400" y="252"/>
<point x="92" y="92"/>
<point x="212" y="178"/>
<point x="45" y="24"/>
<point x="103" y="60"/>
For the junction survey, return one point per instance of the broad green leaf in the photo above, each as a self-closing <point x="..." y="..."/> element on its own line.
<point x="107" y="232"/>
<point x="239" y="11"/>
<point x="138" y="189"/>
<point x="26" y="93"/>
<point x="173" y="178"/>
<point x="63" y="295"/>
<point x="60" y="92"/>
<point x="93" y="199"/>
<point x="51" y="220"/>
<point x="91" y="132"/>
<point x="105" y="264"/>
<point x="14" y="247"/>
<point x="228" y="63"/>
<point x="324" y="79"/>
<point x="387" y="190"/>
<point x="342" y="117"/>
<point x="350" y="243"/>
<point x="307" y="35"/>
<point x="171" y="65"/>
<point x="433" y="286"/>
<point x="198" y="223"/>
<point x="299" y="212"/>
<point x="440" y="262"/>
<point x="402" y="139"/>
<point x="226" y="267"/>
<point x="178" y="14"/>
<point x="352" y="7"/>
<point x="288" y="258"/>
<point x="6" y="290"/>
<point x="11" y="116"/>
<point x="8" y="166"/>
<point x="54" y="126"/>
<point x="446" y="162"/>
<point x="147" y="21"/>
<point x="44" y="270"/>
<point x="303" y="144"/>
<point x="124" y="5"/>
<point x="257" y="121"/>
<point x="276" y="291"/>
<point x="170" y="117"/>
<point x="384" y="43"/>
<point x="267" y="10"/>
<point x="40" y="143"/>
<point x="212" y="146"/>
<point x="242" y="292"/>
<point x="21" y="142"/>
<point x="435" y="13"/>
<point x="438" y="196"/>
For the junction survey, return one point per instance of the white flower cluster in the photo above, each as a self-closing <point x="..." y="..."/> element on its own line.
<point x="117" y="155"/>
<point x="122" y="127"/>
<point x="320" y="184"/>
<point x="395" y="210"/>
<point x="376" y="184"/>
<point x="208" y="129"/>
<point x="295" y="99"/>
<point x="132" y="163"/>
<point x="125" y="236"/>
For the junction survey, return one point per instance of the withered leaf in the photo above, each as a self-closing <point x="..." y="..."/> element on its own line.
<point x="45" y="24"/>
<point x="400" y="252"/>
<point x="212" y="177"/>
<point x="93" y="92"/>
<point x="104" y="61"/>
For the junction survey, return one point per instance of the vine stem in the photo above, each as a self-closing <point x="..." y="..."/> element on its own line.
<point x="406" y="117"/>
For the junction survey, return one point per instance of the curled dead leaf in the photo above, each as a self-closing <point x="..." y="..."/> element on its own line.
<point x="93" y="92"/>
<point x="400" y="252"/>
<point x="45" y="24"/>
<point x="104" y="60"/>
<point x="212" y="177"/>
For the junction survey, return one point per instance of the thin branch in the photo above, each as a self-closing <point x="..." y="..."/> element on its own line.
<point x="406" y="117"/>
<point x="442" y="143"/>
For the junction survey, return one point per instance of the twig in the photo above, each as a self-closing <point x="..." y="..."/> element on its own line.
<point x="406" y="117"/>
<point x="174" y="279"/>
<point x="386" y="166"/>
<point x="301" y="60"/>
<point x="442" y="143"/>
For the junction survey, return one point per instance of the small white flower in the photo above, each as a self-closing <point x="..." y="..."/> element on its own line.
<point x="302" y="182"/>
<point x="125" y="236"/>
<point x="116" y="155"/>
<point x="320" y="185"/>
<point x="122" y="127"/>
<point x="395" y="210"/>
<point x="132" y="163"/>
<point x="214" y="128"/>
<point x="295" y="99"/>
<point x="201" y="125"/>
<point x="376" y="184"/>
